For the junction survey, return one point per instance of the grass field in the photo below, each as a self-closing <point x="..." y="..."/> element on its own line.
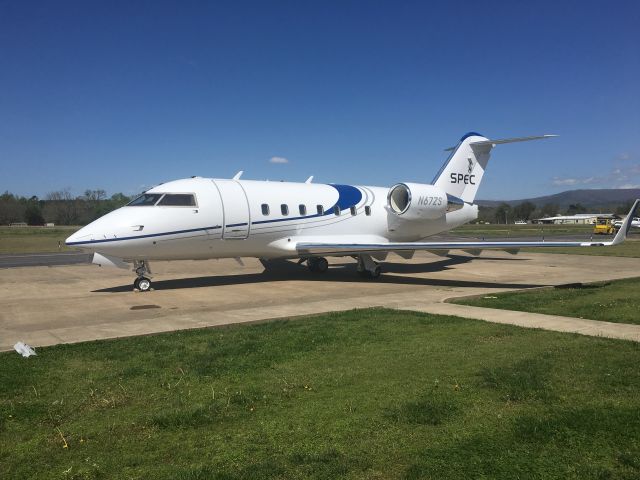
<point x="361" y="394"/>
<point x="521" y="230"/>
<point x="631" y="247"/>
<point x="617" y="301"/>
<point x="34" y="239"/>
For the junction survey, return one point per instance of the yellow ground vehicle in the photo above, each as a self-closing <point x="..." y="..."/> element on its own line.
<point x="604" y="226"/>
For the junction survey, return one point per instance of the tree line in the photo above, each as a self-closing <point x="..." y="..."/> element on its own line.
<point x="62" y="208"/>
<point x="59" y="207"/>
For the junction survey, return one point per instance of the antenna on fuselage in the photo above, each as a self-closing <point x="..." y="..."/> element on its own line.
<point x="238" y="175"/>
<point x="309" y="180"/>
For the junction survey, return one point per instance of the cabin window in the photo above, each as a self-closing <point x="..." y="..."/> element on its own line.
<point x="178" y="200"/>
<point x="367" y="210"/>
<point x="353" y="210"/>
<point x="145" y="200"/>
<point x="303" y="209"/>
<point x="320" y="210"/>
<point x="284" y="208"/>
<point x="265" y="209"/>
<point x="336" y="210"/>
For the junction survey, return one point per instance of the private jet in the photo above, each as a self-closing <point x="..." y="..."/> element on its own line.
<point x="203" y="218"/>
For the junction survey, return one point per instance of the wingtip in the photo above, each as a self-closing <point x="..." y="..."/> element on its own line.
<point x="626" y="225"/>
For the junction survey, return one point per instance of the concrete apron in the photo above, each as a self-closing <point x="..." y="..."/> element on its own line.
<point x="50" y="305"/>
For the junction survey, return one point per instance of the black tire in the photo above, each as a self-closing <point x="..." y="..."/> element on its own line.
<point x="144" y="284"/>
<point x="375" y="273"/>
<point x="321" y="265"/>
<point x="312" y="264"/>
<point x="135" y="284"/>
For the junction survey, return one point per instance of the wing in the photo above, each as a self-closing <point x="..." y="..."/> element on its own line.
<point x="339" y="249"/>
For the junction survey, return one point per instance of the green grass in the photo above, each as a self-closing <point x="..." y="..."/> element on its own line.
<point x="34" y="239"/>
<point x="511" y="230"/>
<point x="361" y="394"/>
<point x="630" y="248"/>
<point x="617" y="301"/>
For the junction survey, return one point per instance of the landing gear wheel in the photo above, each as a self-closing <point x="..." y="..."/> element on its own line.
<point x="318" y="264"/>
<point x="367" y="267"/>
<point x="322" y="265"/>
<point x="375" y="273"/>
<point x="143" y="272"/>
<point x="143" y="284"/>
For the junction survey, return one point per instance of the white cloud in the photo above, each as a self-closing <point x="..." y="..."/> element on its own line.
<point x="625" y="173"/>
<point x="279" y="160"/>
<point x="563" y="182"/>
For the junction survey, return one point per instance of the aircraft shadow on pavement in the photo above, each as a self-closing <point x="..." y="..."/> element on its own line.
<point x="340" y="272"/>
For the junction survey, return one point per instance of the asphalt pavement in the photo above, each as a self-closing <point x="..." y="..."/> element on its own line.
<point x="44" y="259"/>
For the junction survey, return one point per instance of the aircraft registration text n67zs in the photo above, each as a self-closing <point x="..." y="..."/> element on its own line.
<point x="430" y="200"/>
<point x="201" y="218"/>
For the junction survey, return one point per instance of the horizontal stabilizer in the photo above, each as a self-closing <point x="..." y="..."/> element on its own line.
<point x="505" y="140"/>
<point x="512" y="140"/>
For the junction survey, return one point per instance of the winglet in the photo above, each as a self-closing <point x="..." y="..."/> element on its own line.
<point x="238" y="175"/>
<point x="626" y="225"/>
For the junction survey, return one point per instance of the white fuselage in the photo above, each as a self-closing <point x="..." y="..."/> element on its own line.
<point x="244" y="218"/>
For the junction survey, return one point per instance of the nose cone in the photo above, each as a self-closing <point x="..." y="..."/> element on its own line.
<point x="104" y="233"/>
<point x="80" y="238"/>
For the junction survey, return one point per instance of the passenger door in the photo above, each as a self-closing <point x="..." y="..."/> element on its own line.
<point x="236" y="209"/>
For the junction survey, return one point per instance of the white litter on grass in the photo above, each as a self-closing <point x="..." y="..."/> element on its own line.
<point x="489" y="297"/>
<point x="24" y="349"/>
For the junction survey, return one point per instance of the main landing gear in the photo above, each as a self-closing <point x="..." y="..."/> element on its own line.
<point x="368" y="267"/>
<point x="142" y="283"/>
<point x="317" y="264"/>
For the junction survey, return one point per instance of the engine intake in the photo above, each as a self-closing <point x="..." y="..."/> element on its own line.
<point x="416" y="201"/>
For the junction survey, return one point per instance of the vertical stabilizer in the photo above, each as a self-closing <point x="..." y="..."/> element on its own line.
<point x="462" y="173"/>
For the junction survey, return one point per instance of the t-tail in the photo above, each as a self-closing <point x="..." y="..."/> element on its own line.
<point x="462" y="173"/>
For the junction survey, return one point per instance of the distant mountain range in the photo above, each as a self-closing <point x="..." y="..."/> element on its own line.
<point x="594" y="198"/>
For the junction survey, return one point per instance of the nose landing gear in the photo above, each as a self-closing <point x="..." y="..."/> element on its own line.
<point x="142" y="283"/>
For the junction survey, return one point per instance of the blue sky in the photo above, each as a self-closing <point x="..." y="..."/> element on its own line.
<point x="124" y="95"/>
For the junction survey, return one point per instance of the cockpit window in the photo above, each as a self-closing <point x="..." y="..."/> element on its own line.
<point x="178" y="200"/>
<point x="145" y="200"/>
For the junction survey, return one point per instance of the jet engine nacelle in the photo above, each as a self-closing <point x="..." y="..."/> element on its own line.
<point x="418" y="201"/>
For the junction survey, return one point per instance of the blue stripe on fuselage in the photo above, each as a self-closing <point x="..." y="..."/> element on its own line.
<point x="176" y="232"/>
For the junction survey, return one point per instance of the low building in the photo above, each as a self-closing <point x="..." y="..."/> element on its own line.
<point x="578" y="219"/>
